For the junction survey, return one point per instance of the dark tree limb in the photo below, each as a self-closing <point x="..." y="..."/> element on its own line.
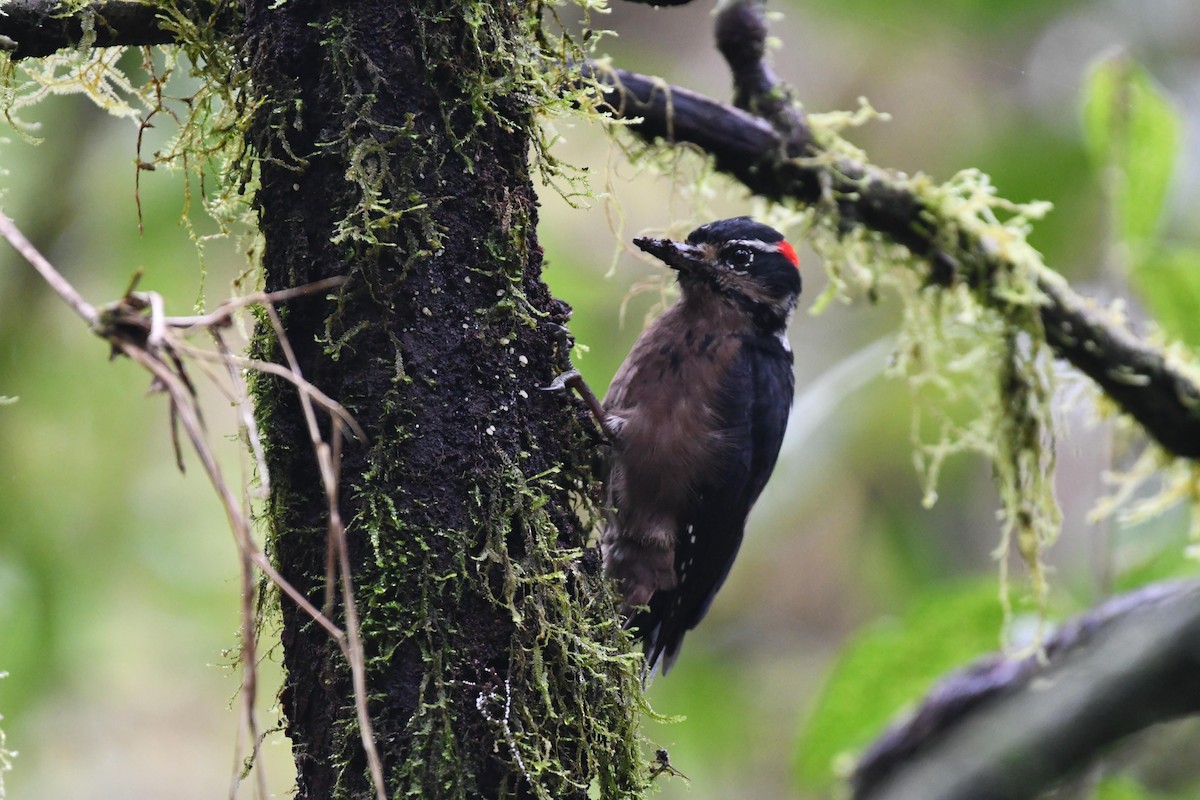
<point x="741" y="33"/>
<point x="1005" y="729"/>
<point x="32" y="28"/>
<point x="1135" y="375"/>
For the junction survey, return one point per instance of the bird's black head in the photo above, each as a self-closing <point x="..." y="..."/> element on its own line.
<point x="740" y="259"/>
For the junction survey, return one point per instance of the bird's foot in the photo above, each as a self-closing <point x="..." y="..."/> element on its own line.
<point x="565" y="381"/>
<point x="573" y="380"/>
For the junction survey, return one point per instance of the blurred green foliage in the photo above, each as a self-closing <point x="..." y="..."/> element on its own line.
<point x="886" y="666"/>
<point x="1122" y="789"/>
<point x="118" y="590"/>
<point x="1131" y="128"/>
<point x="1127" y="788"/>
<point x="1134" y="135"/>
<point x="1169" y="283"/>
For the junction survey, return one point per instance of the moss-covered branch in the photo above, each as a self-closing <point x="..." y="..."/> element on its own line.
<point x="1138" y="377"/>
<point x="33" y="28"/>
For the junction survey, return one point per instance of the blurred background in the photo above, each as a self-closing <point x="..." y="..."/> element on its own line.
<point x="118" y="577"/>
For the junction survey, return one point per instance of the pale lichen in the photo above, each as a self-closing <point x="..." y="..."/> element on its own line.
<point x="1157" y="481"/>
<point x="973" y="352"/>
<point x="198" y="83"/>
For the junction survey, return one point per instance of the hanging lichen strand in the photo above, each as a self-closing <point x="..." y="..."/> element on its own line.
<point x="973" y="351"/>
<point x="196" y="89"/>
<point x="392" y="141"/>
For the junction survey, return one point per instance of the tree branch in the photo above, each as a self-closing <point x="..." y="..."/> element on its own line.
<point x="741" y="33"/>
<point x="1006" y="729"/>
<point x="1135" y="375"/>
<point x="34" y="28"/>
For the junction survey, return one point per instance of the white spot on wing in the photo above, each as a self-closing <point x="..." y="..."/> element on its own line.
<point x="783" y="340"/>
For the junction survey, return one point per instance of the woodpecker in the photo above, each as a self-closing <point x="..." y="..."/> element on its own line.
<point x="696" y="415"/>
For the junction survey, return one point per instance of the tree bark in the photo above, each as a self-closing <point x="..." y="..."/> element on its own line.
<point x="393" y="142"/>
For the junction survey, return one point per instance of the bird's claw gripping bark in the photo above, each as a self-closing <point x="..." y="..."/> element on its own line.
<point x="565" y="381"/>
<point x="573" y="380"/>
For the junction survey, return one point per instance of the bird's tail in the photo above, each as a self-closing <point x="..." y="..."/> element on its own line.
<point x="661" y="628"/>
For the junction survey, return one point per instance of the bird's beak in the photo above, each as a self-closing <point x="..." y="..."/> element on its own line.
<point x="676" y="255"/>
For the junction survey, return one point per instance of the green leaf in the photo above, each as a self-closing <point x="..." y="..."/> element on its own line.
<point x="1132" y="128"/>
<point x="1169" y="284"/>
<point x="1121" y="788"/>
<point x="892" y="664"/>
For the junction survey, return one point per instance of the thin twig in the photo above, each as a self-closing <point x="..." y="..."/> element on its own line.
<point x="245" y="410"/>
<point x="153" y="342"/>
<point x="328" y="404"/>
<point x="223" y="313"/>
<point x="330" y="467"/>
<point x="49" y="274"/>
<point x="183" y="401"/>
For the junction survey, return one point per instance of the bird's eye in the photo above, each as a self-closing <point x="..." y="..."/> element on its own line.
<point x="739" y="257"/>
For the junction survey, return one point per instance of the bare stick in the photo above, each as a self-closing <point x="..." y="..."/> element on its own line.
<point x="223" y="313"/>
<point x="152" y="343"/>
<point x="352" y="648"/>
<point x="182" y="399"/>
<point x="49" y="274"/>
<point x="328" y="404"/>
<point x="245" y="411"/>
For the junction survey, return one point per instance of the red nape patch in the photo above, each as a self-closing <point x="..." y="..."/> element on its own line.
<point x="789" y="253"/>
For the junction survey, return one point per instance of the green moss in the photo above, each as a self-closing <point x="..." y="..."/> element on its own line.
<point x="571" y="661"/>
<point x="564" y="705"/>
<point x="571" y="685"/>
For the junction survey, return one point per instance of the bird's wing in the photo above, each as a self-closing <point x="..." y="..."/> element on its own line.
<point x="755" y="402"/>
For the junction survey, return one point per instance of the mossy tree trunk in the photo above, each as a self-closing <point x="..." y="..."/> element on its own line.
<point x="394" y="142"/>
